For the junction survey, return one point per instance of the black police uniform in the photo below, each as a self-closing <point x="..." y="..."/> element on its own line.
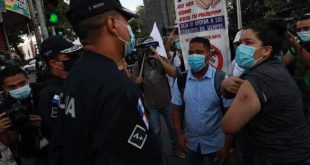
<point x="103" y="118"/>
<point x="48" y="105"/>
<point x="29" y="136"/>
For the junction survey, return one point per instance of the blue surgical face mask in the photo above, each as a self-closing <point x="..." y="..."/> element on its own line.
<point x="304" y="36"/>
<point x="196" y="62"/>
<point x="21" y="93"/>
<point x="245" y="56"/>
<point x="178" y="45"/>
<point x="129" y="45"/>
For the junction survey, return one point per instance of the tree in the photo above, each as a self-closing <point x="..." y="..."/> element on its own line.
<point x="63" y="26"/>
<point x="138" y="24"/>
<point x="253" y="10"/>
<point x="14" y="34"/>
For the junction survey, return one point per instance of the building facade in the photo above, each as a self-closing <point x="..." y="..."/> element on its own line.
<point x="159" y="11"/>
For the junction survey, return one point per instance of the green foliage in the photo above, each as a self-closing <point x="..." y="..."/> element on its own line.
<point x="138" y="24"/>
<point x="253" y="10"/>
<point x="14" y="34"/>
<point x="63" y="24"/>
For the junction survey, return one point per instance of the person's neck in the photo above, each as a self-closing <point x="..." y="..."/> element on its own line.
<point x="198" y="75"/>
<point x="108" y="50"/>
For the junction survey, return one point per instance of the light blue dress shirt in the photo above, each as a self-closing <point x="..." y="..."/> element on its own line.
<point x="202" y="112"/>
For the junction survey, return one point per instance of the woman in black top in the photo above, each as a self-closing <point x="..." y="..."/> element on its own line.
<point x="268" y="104"/>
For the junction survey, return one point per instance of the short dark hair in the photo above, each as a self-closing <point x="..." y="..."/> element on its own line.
<point x="304" y="17"/>
<point x="271" y="33"/>
<point x="87" y="30"/>
<point x="206" y="42"/>
<point x="11" y="71"/>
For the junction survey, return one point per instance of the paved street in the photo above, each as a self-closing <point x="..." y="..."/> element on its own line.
<point x="171" y="159"/>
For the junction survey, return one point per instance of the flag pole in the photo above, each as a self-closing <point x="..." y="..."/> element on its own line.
<point x="239" y="14"/>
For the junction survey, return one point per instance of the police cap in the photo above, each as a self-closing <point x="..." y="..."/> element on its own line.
<point x="82" y="9"/>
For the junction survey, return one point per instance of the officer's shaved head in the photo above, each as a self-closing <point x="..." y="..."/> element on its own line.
<point x="88" y="29"/>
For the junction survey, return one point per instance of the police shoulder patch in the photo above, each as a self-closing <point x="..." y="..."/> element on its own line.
<point x="138" y="137"/>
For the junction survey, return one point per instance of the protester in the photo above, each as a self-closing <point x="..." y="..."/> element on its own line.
<point x="298" y="58"/>
<point x="20" y="121"/>
<point x="59" y="56"/>
<point x="175" y="55"/>
<point x="236" y="70"/>
<point x="123" y="67"/>
<point x="203" y="110"/>
<point x="157" y="94"/>
<point x="174" y="51"/>
<point x="104" y="121"/>
<point x="268" y="104"/>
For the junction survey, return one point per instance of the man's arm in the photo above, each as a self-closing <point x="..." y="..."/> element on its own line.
<point x="177" y="111"/>
<point x="169" y="69"/>
<point x="245" y="106"/>
<point x="177" y="119"/>
<point x="168" y="43"/>
<point x="223" y="154"/>
<point x="303" y="53"/>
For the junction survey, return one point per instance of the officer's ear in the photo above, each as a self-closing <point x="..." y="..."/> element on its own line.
<point x="111" y="26"/>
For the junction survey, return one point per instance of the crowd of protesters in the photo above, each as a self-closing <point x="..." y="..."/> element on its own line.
<point x="95" y="106"/>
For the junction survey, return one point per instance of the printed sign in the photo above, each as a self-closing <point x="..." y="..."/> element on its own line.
<point x="205" y="18"/>
<point x="18" y="6"/>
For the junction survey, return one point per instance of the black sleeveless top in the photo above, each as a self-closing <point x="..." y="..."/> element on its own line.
<point x="279" y="132"/>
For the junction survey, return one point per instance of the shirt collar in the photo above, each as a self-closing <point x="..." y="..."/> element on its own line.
<point x="208" y="74"/>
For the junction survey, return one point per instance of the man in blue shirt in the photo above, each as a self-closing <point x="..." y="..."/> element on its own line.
<point x="203" y="109"/>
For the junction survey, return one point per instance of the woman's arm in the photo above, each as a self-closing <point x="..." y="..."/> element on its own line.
<point x="244" y="107"/>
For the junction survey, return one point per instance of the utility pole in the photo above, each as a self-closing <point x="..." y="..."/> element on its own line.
<point x="33" y="52"/>
<point x="35" y="23"/>
<point x="42" y="19"/>
<point x="239" y="15"/>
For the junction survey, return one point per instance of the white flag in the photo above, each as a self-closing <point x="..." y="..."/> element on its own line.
<point x="157" y="37"/>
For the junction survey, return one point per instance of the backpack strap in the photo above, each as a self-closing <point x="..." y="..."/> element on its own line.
<point x="181" y="80"/>
<point x="173" y="57"/>
<point x="218" y="79"/>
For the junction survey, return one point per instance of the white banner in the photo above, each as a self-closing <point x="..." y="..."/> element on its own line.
<point x="205" y="18"/>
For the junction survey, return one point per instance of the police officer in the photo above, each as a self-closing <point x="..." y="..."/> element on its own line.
<point x="104" y="118"/>
<point x="59" y="56"/>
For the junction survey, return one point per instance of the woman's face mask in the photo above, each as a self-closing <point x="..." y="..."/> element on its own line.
<point x="250" y="52"/>
<point x="245" y="56"/>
